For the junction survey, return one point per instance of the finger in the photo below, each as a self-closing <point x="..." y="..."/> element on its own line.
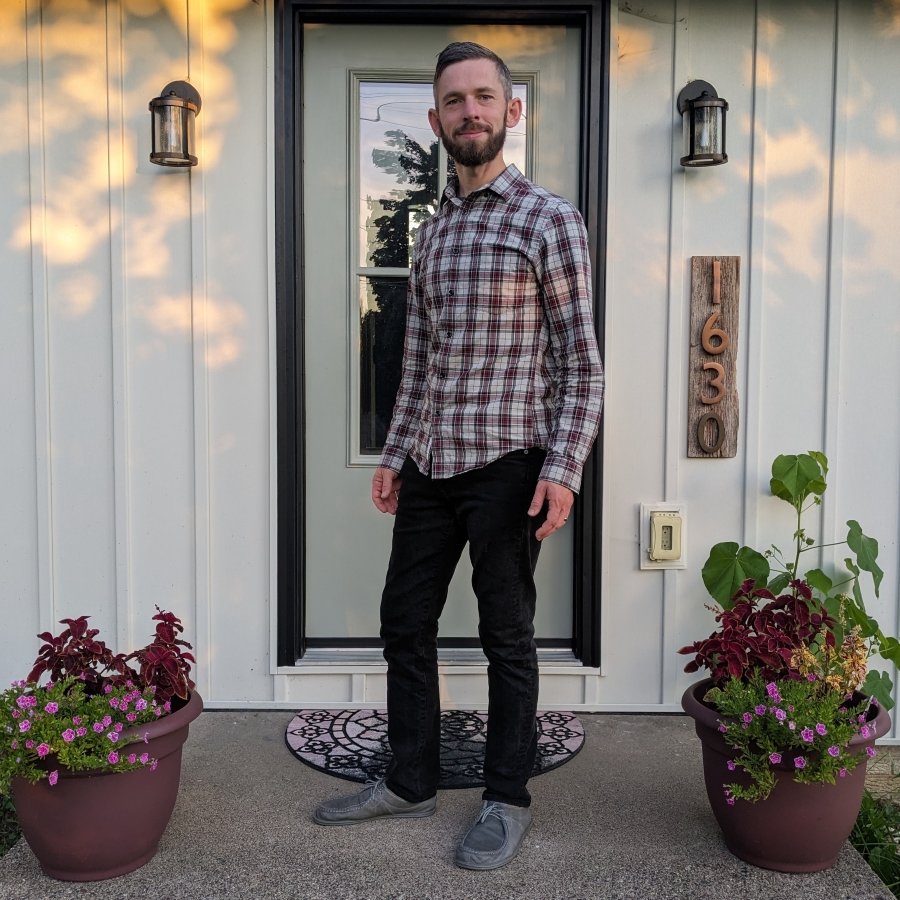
<point x="537" y="501"/>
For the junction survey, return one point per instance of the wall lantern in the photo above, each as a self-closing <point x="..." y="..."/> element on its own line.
<point x="172" y="115"/>
<point x="703" y="123"/>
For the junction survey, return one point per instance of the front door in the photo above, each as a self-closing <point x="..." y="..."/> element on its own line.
<point x="371" y="172"/>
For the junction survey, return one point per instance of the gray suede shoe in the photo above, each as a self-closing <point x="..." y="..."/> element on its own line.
<point x="374" y="801"/>
<point x="495" y="837"/>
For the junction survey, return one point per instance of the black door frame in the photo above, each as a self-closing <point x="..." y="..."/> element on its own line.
<point x="592" y="18"/>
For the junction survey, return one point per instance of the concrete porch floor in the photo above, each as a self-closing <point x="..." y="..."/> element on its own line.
<point x="627" y="818"/>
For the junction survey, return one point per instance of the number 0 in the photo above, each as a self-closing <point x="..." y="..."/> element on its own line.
<point x="705" y="446"/>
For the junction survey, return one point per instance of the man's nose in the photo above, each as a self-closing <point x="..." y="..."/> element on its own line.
<point x="470" y="108"/>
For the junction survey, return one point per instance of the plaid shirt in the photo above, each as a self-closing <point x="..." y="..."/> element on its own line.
<point x="500" y="352"/>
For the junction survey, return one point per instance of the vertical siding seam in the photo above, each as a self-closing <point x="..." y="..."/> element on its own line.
<point x="119" y="321"/>
<point x="40" y="316"/>
<point x="199" y="303"/>
<point x="834" y="241"/>
<point x="675" y="343"/>
<point x="754" y="276"/>
<point x="272" y="358"/>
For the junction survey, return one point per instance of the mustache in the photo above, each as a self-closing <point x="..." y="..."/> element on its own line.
<point x="472" y="126"/>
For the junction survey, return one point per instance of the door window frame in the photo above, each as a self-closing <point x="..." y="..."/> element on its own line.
<point x="593" y="21"/>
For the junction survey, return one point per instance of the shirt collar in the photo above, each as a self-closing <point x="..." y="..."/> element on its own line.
<point x="503" y="186"/>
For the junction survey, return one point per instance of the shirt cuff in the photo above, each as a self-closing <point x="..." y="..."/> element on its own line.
<point x="393" y="459"/>
<point x="562" y="470"/>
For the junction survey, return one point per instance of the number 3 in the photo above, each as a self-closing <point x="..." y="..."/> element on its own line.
<point x="715" y="382"/>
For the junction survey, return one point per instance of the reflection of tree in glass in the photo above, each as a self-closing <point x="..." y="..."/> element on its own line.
<point x="382" y="329"/>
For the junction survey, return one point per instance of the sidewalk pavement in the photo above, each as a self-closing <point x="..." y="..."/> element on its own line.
<point x="626" y="818"/>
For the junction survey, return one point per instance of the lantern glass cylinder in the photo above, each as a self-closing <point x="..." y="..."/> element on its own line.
<point x="704" y="133"/>
<point x="173" y="131"/>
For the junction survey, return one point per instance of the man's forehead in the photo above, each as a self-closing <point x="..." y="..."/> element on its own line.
<point x="468" y="74"/>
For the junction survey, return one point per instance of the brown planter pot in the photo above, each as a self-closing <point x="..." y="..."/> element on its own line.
<point x="798" y="827"/>
<point x="94" y="825"/>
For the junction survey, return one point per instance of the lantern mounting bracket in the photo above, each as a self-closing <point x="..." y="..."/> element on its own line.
<point x="695" y="91"/>
<point x="184" y="90"/>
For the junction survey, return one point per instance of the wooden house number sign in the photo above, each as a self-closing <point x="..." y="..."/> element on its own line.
<point x="712" y="383"/>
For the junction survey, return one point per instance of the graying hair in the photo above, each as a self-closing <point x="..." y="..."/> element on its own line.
<point x="462" y="50"/>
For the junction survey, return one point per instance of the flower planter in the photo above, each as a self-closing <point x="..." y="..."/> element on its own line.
<point x="95" y="825"/>
<point x="799" y="827"/>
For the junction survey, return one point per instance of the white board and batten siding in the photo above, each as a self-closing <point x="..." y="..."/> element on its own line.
<point x="137" y="347"/>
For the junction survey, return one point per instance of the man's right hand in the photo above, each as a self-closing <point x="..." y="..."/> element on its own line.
<point x="386" y="490"/>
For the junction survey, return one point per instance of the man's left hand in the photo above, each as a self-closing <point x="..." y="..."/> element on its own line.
<point x="558" y="500"/>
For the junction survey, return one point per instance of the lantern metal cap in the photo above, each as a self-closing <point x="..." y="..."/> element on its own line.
<point x="699" y="93"/>
<point x="178" y="93"/>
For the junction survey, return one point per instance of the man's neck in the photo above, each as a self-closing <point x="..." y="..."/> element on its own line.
<point x="471" y="178"/>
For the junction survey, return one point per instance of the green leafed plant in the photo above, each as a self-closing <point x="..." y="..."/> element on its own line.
<point x="800" y="480"/>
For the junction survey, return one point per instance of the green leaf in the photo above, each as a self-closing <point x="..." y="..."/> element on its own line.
<point x="866" y="550"/>
<point x="779" y="582"/>
<point x="889" y="648"/>
<point x="818" y="580"/>
<point x="728" y="567"/>
<point x="794" y="478"/>
<point x="879" y="686"/>
<point x="857" y="592"/>
<point x="821" y="459"/>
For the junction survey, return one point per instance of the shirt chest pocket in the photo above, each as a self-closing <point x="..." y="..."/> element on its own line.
<point x="503" y="276"/>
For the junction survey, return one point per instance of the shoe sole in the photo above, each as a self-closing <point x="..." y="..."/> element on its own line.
<point x="418" y="814"/>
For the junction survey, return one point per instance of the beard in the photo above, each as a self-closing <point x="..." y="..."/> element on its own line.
<point x="469" y="153"/>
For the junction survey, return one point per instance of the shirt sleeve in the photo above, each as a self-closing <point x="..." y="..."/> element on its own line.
<point x="407" y="407"/>
<point x="566" y="287"/>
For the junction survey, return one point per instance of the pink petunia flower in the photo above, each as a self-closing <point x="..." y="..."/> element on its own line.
<point x="799" y="762"/>
<point x="53" y="777"/>
<point x="774" y="758"/>
<point x="112" y="757"/>
<point x="43" y="750"/>
<point x="52" y="707"/>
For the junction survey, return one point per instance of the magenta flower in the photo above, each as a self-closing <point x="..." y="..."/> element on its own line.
<point x="24" y="725"/>
<point x="842" y="773"/>
<point x="76" y="720"/>
<point x="81" y="731"/>
<point x="792" y="726"/>
<point x="132" y="759"/>
<point x="772" y="691"/>
<point x="780" y="714"/>
<point x="53" y="777"/>
<point x="43" y="750"/>
<point x="821" y="730"/>
<point x="51" y="708"/>
<point x="834" y="751"/>
<point x="107" y="688"/>
<point x="29" y="744"/>
<point x="144" y="758"/>
<point x="68" y="735"/>
<point x="730" y="801"/>
<point x="865" y="731"/>
<point x="747" y="717"/>
<point x="154" y="763"/>
<point x="811" y="676"/>
<point x="98" y="727"/>
<point x="113" y="736"/>
<point x="141" y="704"/>
<point x="723" y="728"/>
<point x="112" y="757"/>
<point x="761" y="709"/>
<point x="107" y="721"/>
<point x="114" y="702"/>
<point x="131" y="716"/>
<point x="14" y="745"/>
<point x="118" y="727"/>
<point x="870" y="752"/>
<point x="774" y="758"/>
<point x="26" y="702"/>
<point x="807" y="735"/>
<point x="732" y="765"/>
<point x="16" y="714"/>
<point x="799" y="762"/>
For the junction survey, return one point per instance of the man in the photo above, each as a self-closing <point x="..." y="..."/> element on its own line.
<point x="498" y="406"/>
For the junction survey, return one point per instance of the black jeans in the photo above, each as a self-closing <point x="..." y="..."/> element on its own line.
<point x="487" y="508"/>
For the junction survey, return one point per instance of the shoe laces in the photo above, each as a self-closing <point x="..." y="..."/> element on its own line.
<point x="490" y="809"/>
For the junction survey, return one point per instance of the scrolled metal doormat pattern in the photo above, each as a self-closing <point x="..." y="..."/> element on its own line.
<point x="352" y="743"/>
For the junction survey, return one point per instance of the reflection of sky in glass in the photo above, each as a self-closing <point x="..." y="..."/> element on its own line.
<point x="403" y="106"/>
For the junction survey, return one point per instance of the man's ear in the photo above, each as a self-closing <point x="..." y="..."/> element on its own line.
<point x="435" y="122"/>
<point x="513" y="112"/>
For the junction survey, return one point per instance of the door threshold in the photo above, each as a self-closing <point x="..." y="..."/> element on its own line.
<point x="447" y="656"/>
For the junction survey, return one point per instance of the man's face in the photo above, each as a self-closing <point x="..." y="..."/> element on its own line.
<point x="472" y="113"/>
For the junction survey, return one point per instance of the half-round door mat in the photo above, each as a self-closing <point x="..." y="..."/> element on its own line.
<point x="352" y="743"/>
